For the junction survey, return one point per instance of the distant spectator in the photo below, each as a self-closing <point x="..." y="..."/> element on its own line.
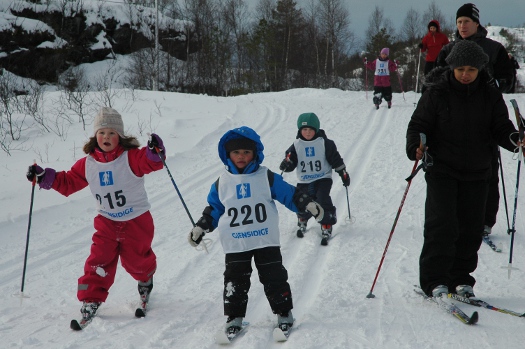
<point x="432" y="43"/>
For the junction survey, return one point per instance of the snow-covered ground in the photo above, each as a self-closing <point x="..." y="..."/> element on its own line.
<point x="329" y="284"/>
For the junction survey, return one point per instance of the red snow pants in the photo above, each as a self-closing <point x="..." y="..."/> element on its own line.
<point x="131" y="240"/>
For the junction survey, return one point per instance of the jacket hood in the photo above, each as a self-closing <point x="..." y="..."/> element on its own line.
<point x="434" y="23"/>
<point x="246" y="132"/>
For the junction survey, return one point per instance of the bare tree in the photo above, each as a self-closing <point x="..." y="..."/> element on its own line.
<point x="433" y="12"/>
<point x="411" y="29"/>
<point x="334" y="22"/>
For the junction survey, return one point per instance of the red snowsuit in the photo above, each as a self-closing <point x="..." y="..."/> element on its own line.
<point x="131" y="239"/>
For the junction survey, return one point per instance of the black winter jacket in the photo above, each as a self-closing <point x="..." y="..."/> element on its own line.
<point x="463" y="124"/>
<point x="499" y="67"/>
<point x="332" y="154"/>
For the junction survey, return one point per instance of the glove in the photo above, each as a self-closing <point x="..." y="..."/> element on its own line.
<point x="154" y="143"/>
<point x="195" y="236"/>
<point x="345" y="177"/>
<point x="35" y="170"/>
<point x="286" y="165"/>
<point x="44" y="178"/>
<point x="420" y="45"/>
<point x="365" y="60"/>
<point x="316" y="210"/>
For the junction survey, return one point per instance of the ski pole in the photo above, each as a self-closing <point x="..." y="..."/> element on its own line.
<point x="417" y="76"/>
<point x="33" y="183"/>
<point x="157" y="150"/>
<point x="521" y="127"/>
<point x="504" y="191"/>
<point x="350" y="218"/>
<point x="366" y="79"/>
<point x="422" y="146"/>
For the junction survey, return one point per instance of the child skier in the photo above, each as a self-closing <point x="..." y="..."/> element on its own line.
<point x="242" y="207"/>
<point x="114" y="169"/>
<point x="315" y="156"/>
<point x="382" y="66"/>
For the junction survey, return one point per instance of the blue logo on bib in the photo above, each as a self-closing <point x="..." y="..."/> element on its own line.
<point x="106" y="178"/>
<point x="243" y="190"/>
<point x="310" y="151"/>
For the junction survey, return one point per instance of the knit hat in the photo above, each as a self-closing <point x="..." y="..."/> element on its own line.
<point x="466" y="52"/>
<point x="385" y="51"/>
<point x="308" y="120"/>
<point x="468" y="10"/>
<point x="108" y="118"/>
<point x="240" y="143"/>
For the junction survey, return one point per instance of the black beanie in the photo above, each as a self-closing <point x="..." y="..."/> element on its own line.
<point x="466" y="52"/>
<point x="468" y="10"/>
<point x="240" y="143"/>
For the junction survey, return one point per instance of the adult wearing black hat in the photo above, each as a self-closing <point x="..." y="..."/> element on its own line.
<point x="461" y="116"/>
<point x="501" y="70"/>
<point x="469" y="28"/>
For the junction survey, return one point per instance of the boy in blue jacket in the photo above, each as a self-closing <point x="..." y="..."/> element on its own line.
<point x="241" y="205"/>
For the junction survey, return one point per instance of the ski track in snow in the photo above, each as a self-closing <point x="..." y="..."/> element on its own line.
<point x="329" y="283"/>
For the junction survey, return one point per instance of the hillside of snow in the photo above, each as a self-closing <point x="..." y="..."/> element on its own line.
<point x="329" y="284"/>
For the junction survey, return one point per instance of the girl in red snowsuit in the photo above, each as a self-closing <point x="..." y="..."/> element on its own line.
<point x="114" y="169"/>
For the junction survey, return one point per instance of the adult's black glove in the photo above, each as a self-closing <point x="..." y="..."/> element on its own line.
<point x="420" y="45"/>
<point x="345" y="177"/>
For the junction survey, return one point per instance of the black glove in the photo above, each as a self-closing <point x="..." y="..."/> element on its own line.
<point x="345" y="177"/>
<point x="195" y="236"/>
<point x="286" y="165"/>
<point x="420" y="45"/>
<point x="155" y="142"/>
<point x="35" y="170"/>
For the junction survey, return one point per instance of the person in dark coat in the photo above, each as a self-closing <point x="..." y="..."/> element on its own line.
<point x="463" y="118"/>
<point x="516" y="66"/>
<point x="501" y="71"/>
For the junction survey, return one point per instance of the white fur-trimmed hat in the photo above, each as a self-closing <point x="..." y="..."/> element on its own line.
<point x="108" y="118"/>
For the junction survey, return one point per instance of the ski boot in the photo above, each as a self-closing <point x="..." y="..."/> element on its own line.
<point x="285" y="321"/>
<point x="89" y="310"/>
<point x="144" y="292"/>
<point x="301" y="223"/>
<point x="389" y="104"/>
<point x="233" y="326"/>
<point x="326" y="233"/>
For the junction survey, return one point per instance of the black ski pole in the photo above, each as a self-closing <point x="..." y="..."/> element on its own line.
<point x="422" y="146"/>
<point x="178" y="192"/>
<point x="521" y="127"/>
<point x="33" y="183"/>
<point x="504" y="191"/>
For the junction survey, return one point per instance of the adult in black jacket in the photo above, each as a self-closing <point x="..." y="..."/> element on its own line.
<point x="463" y="118"/>
<point x="501" y="70"/>
<point x="499" y="65"/>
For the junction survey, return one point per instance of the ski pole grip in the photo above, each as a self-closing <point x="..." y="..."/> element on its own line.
<point x="422" y="141"/>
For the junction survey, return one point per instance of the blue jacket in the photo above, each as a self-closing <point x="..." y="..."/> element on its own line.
<point x="280" y="190"/>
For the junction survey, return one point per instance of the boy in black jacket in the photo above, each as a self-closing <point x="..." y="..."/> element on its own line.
<point x="314" y="156"/>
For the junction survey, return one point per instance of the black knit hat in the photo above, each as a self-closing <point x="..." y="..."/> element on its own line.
<point x="468" y="10"/>
<point x="240" y="143"/>
<point x="466" y="52"/>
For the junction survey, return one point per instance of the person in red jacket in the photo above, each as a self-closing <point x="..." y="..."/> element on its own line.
<point x="432" y="43"/>
<point x="382" y="66"/>
<point x="114" y="169"/>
